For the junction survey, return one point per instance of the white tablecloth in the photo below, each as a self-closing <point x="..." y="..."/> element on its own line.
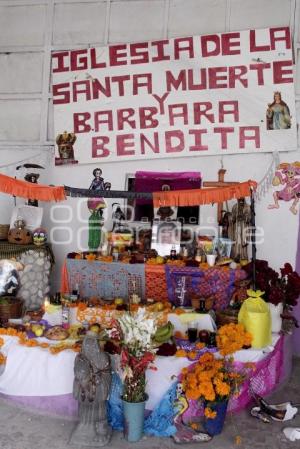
<point x="37" y="372"/>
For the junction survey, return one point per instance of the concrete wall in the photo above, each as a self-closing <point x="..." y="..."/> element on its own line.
<point x="31" y="29"/>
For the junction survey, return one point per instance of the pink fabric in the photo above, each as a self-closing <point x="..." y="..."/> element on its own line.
<point x="149" y="181"/>
<point x="263" y="380"/>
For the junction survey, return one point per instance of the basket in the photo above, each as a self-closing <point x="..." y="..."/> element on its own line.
<point x="4" y="228"/>
<point x="227" y="316"/>
<point x="10" y="307"/>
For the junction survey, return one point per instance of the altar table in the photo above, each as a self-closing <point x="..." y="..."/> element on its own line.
<point x="36" y="378"/>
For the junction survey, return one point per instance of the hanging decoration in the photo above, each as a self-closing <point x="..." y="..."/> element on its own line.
<point x="266" y="182"/>
<point x="65" y="142"/>
<point x="26" y="189"/>
<point x="288" y="176"/>
<point x="41" y="192"/>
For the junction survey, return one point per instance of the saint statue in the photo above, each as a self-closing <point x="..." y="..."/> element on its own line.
<point x="91" y="388"/>
<point x="237" y="231"/>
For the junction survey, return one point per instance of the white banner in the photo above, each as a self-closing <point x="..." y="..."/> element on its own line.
<point x="203" y="95"/>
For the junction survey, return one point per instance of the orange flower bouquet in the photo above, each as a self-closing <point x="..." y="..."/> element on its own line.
<point x="212" y="380"/>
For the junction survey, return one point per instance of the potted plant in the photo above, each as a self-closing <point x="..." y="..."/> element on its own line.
<point x="135" y="333"/>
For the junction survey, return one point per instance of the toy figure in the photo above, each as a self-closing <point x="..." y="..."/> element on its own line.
<point x="287" y="175"/>
<point x="32" y="177"/>
<point x="96" y="206"/>
<point x="91" y="388"/>
<point x="278" y="114"/>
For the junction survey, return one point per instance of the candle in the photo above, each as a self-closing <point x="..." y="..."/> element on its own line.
<point x="46" y="304"/>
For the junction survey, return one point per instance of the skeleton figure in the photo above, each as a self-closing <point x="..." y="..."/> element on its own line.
<point x="91" y="388"/>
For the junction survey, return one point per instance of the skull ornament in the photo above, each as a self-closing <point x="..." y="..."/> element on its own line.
<point x="39" y="236"/>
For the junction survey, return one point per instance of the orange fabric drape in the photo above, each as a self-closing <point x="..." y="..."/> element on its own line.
<point x="196" y="197"/>
<point x="26" y="189"/>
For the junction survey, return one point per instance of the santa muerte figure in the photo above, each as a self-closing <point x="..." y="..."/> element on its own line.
<point x="239" y="222"/>
<point x="96" y="207"/>
<point x="65" y="142"/>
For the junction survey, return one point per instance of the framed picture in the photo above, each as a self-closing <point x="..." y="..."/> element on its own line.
<point x="166" y="236"/>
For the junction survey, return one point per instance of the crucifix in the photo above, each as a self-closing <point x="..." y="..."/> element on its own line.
<point x="220" y="183"/>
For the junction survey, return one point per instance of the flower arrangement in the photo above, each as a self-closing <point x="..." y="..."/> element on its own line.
<point x="283" y="287"/>
<point x="214" y="380"/>
<point x="135" y="333"/>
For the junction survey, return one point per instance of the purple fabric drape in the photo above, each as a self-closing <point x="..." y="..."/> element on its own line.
<point x="296" y="334"/>
<point x="150" y="181"/>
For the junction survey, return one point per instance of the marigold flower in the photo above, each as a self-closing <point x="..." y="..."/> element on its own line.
<point x="209" y="413"/>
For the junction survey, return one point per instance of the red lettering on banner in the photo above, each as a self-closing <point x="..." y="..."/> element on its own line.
<point x="223" y="133"/>
<point x="123" y="142"/>
<point x="161" y="102"/>
<point x="171" y="147"/>
<point x="197" y="133"/>
<point x="188" y="46"/>
<point x="117" y="55"/>
<point x="77" y="61"/>
<point x="172" y="82"/>
<point x="235" y="74"/>
<point x="254" y="46"/>
<point x="223" y="110"/>
<point x="97" y="87"/>
<point x="108" y="119"/>
<point x="59" y="58"/>
<point x="202" y="84"/>
<point x="161" y="56"/>
<point x="98" y="146"/>
<point x="260" y="71"/>
<point x="79" y="122"/>
<point x="215" y="79"/>
<point x="201" y="109"/>
<point x="230" y="42"/>
<point x="140" y="52"/>
<point x="120" y="80"/>
<point x="255" y="136"/>
<point x="124" y="117"/>
<point x="143" y="80"/>
<point x="182" y="111"/>
<point x="214" y="41"/>
<point x="281" y="74"/>
<point x="59" y="90"/>
<point x="280" y="34"/>
<point x="146" y="117"/>
<point x="81" y="87"/>
<point x="94" y="63"/>
<point x="154" y="146"/>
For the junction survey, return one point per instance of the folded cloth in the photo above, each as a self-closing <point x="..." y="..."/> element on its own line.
<point x="292" y="433"/>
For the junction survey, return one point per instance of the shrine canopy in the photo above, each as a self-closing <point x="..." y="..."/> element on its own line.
<point x="203" y="196"/>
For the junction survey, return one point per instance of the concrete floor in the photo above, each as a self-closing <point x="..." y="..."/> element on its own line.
<point x="20" y="429"/>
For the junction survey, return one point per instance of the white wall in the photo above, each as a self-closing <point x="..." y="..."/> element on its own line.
<point x="31" y="29"/>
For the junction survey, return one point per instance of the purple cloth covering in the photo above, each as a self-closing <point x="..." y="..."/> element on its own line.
<point x="296" y="334"/>
<point x="62" y="405"/>
<point x="149" y="181"/>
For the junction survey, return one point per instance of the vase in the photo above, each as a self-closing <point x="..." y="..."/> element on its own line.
<point x="276" y="311"/>
<point x="215" y="426"/>
<point x="133" y="420"/>
<point x="211" y="259"/>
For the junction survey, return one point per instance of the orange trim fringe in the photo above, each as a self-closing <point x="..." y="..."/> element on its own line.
<point x="26" y="189"/>
<point x="196" y="197"/>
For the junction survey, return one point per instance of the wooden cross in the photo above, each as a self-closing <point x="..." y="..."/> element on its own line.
<point x="219" y="183"/>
